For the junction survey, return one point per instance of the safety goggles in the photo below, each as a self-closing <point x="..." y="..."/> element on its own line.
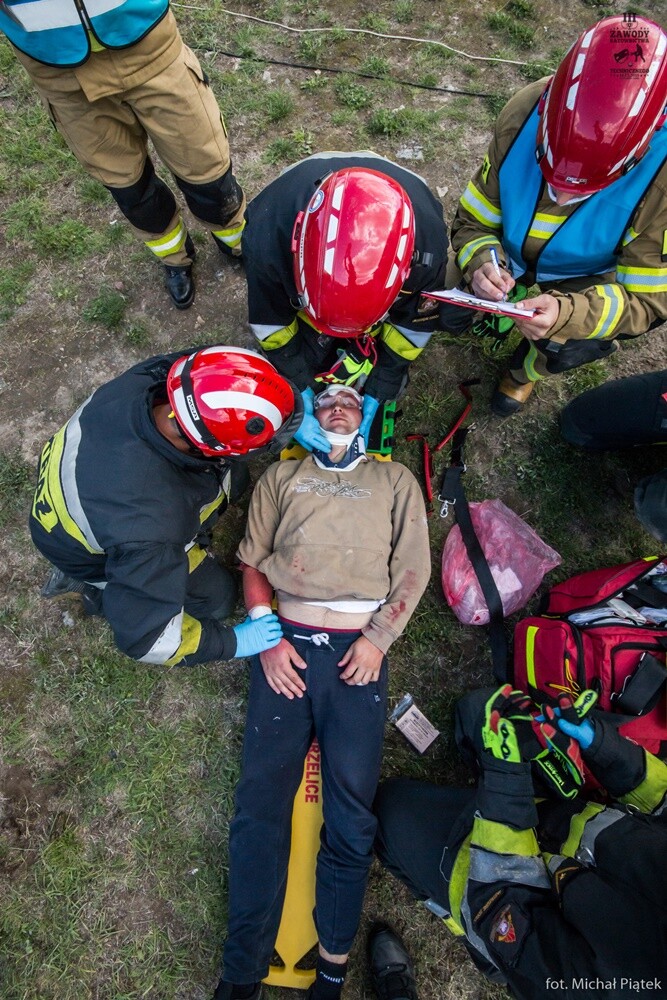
<point x="338" y="396"/>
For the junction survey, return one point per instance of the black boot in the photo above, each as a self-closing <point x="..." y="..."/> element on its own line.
<point x="59" y="584"/>
<point x="179" y="281"/>
<point x="392" y="974"/>
<point x="228" y="991"/>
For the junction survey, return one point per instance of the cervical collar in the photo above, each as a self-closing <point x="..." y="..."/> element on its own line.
<point x="573" y="201"/>
<point x="356" y="451"/>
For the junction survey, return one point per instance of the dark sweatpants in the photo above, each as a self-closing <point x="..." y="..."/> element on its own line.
<point x="348" y="722"/>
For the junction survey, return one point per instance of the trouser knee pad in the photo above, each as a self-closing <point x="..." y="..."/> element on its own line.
<point x="216" y="202"/>
<point x="148" y="204"/>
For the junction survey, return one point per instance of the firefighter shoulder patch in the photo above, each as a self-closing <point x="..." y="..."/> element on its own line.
<point x="507" y="931"/>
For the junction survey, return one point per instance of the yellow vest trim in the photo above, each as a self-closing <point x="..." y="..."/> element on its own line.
<point x="502" y="839"/>
<point x="577" y="824"/>
<point x="190" y="639"/>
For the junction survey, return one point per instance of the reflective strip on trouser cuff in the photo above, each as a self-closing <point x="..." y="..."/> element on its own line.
<point x="488" y="867"/>
<point x="272" y="337"/>
<point x="503" y="839"/>
<point x="529" y="364"/>
<point x="577" y="824"/>
<point x="612" y="310"/>
<point x="171" y="242"/>
<point x="642" y="279"/>
<point x="480" y="207"/>
<point x="651" y="795"/>
<point x="230" y="237"/>
<point x="467" y="252"/>
<point x="180" y="637"/>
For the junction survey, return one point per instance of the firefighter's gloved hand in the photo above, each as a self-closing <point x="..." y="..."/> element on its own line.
<point x="571" y="717"/>
<point x="498" y="733"/>
<point x="254" y="637"/>
<point x="369" y="410"/>
<point x="310" y="435"/>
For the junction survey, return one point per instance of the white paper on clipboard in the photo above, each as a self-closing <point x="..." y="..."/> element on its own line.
<point x="459" y="298"/>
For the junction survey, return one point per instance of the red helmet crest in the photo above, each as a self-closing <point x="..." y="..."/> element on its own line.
<point x="353" y="250"/>
<point x="229" y="401"/>
<point x="608" y="97"/>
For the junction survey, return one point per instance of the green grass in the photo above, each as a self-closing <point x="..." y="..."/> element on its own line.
<point x="14" y="284"/>
<point x="17" y="482"/>
<point x="107" y="308"/>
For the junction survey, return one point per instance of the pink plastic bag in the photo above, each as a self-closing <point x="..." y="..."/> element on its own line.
<point x="517" y="557"/>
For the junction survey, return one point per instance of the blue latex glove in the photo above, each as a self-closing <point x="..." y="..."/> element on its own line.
<point x="569" y="717"/>
<point x="254" y="637"/>
<point x="369" y="410"/>
<point x="310" y="435"/>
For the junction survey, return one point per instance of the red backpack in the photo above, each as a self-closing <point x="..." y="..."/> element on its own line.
<point x="605" y="630"/>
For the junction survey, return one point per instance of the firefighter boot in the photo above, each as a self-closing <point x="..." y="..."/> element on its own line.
<point x="392" y="974"/>
<point x="179" y="281"/>
<point x="228" y="991"/>
<point x="59" y="585"/>
<point x="509" y="396"/>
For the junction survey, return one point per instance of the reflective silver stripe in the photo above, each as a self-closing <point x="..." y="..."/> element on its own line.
<point x="555" y="861"/>
<point x="487" y="866"/>
<point x="416" y="338"/>
<point x="167" y="642"/>
<point x="43" y="14"/>
<point x="593" y="828"/>
<point x="262" y="331"/>
<point x="96" y="7"/>
<point x="475" y="940"/>
<point x="68" y="479"/>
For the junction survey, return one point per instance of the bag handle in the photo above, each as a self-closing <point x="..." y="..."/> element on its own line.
<point x="453" y="493"/>
<point x="641" y="689"/>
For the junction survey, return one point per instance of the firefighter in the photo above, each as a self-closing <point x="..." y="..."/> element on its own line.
<point x="564" y="895"/>
<point x="572" y="196"/>
<point x="337" y="251"/>
<point x="130" y="488"/>
<point x="110" y="78"/>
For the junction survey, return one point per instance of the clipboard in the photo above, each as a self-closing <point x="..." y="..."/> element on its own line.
<point x="457" y="297"/>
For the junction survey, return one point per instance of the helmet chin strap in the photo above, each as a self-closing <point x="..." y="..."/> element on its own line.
<point x="356" y="451"/>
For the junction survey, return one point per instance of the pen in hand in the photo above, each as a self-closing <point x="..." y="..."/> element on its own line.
<point x="496" y="264"/>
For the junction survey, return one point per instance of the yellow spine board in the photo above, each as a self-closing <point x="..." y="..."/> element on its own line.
<point x="297" y="934"/>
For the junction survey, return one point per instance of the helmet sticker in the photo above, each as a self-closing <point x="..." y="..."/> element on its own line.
<point x="316" y="201"/>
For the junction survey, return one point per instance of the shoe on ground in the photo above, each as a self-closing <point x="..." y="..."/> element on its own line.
<point x="226" y="991"/>
<point x="391" y="970"/>
<point x="59" y="584"/>
<point x="510" y="396"/>
<point x="179" y="281"/>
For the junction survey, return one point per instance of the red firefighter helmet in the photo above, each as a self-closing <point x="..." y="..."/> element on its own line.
<point x="606" y="100"/>
<point x="352" y="250"/>
<point x="229" y="401"/>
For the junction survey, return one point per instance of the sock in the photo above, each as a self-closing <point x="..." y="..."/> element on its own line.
<point x="329" y="979"/>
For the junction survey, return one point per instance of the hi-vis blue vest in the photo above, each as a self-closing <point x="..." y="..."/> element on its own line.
<point x="55" y="32"/>
<point x="588" y="241"/>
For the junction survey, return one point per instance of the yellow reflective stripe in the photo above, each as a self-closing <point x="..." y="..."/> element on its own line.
<point x="457" y="886"/>
<point x="399" y="344"/>
<point x="643" y="279"/>
<point x="501" y="839"/>
<point x="648" y="795"/>
<point x="230" y="237"/>
<point x="630" y="235"/>
<point x="211" y="507"/>
<point x="577" y="824"/>
<point x="171" y="242"/>
<point x="281" y="337"/>
<point x="544" y="226"/>
<point x="196" y="556"/>
<point x="529" y="364"/>
<point x="42" y="504"/>
<point x="467" y="252"/>
<point x="664" y="244"/>
<point x="531" y="632"/>
<point x="190" y="639"/>
<point x="54" y="489"/>
<point x="480" y="207"/>
<point x="612" y="311"/>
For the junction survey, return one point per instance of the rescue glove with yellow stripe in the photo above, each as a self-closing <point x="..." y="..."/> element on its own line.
<point x="570" y="717"/>
<point x="497" y="328"/>
<point x="555" y="757"/>
<point x="506" y="791"/>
